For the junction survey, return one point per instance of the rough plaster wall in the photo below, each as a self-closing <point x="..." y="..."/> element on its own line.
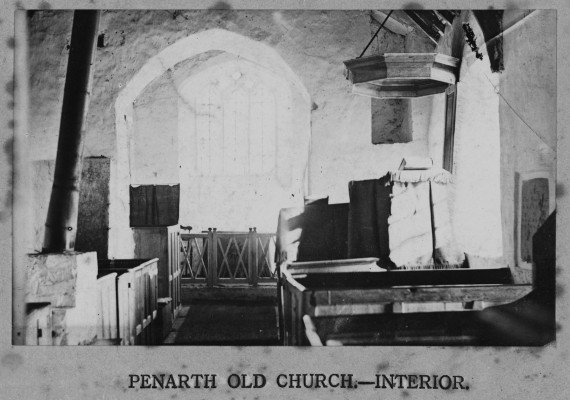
<point x="528" y="84"/>
<point x="391" y="121"/>
<point x="475" y="197"/>
<point x="155" y="122"/>
<point x="313" y="43"/>
<point x="50" y="34"/>
<point x="42" y="182"/>
<point x="390" y="118"/>
<point x="93" y="218"/>
<point x="421" y="118"/>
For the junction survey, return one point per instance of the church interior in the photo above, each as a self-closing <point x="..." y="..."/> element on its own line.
<point x="285" y="177"/>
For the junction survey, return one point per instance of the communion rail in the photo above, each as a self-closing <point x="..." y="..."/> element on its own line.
<point x="220" y="257"/>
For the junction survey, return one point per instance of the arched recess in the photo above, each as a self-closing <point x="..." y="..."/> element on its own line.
<point x="121" y="243"/>
<point x="239" y="159"/>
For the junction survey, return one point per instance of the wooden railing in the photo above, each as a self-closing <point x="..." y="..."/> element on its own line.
<point x="162" y="243"/>
<point x="174" y="269"/>
<point x="136" y="301"/>
<point x="216" y="257"/>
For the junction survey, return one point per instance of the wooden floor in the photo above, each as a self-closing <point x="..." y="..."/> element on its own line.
<point x="211" y="319"/>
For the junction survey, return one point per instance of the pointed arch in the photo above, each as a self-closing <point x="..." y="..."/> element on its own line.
<point x="121" y="243"/>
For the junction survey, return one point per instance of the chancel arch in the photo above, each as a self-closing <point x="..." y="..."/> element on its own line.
<point x="274" y="82"/>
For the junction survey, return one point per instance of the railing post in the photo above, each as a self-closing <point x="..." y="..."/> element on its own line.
<point x="215" y="271"/>
<point x="255" y="267"/>
<point x="250" y="268"/>
<point x="209" y="276"/>
<point x="213" y="257"/>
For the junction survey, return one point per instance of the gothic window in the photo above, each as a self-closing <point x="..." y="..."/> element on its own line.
<point x="235" y="128"/>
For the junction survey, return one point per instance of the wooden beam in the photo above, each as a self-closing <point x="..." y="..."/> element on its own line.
<point x="448" y="15"/>
<point x="396" y="92"/>
<point x="432" y="19"/>
<point x="449" y="134"/>
<point x="61" y="224"/>
<point x="392" y="24"/>
<point x="424" y="25"/>
<point x="421" y="294"/>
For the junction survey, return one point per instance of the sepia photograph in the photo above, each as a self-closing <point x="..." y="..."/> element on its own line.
<point x="271" y="177"/>
<point x="202" y="181"/>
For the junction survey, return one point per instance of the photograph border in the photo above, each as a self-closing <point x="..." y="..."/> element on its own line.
<point x="104" y="373"/>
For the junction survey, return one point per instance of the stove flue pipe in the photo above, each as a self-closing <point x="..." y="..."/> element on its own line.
<point x="61" y="224"/>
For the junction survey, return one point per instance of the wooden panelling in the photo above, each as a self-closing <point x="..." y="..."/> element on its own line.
<point x="137" y="299"/>
<point x="107" y="313"/>
<point x="402" y="75"/>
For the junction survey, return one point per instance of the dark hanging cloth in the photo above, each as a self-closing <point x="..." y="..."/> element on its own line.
<point x="312" y="233"/>
<point x="368" y="214"/>
<point x="154" y="205"/>
<point x="324" y="233"/>
<point x="491" y="22"/>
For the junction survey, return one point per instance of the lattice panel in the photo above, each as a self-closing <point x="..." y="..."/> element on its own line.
<point x="265" y="266"/>
<point x="229" y="257"/>
<point x="194" y="260"/>
<point x="233" y="258"/>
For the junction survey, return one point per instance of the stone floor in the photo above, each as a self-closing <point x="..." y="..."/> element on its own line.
<point x="231" y="317"/>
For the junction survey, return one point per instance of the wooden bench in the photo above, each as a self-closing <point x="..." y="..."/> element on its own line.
<point x="321" y="294"/>
<point x="107" y="310"/>
<point x="162" y="242"/>
<point x="136" y="293"/>
<point x="413" y="329"/>
<point x="525" y="322"/>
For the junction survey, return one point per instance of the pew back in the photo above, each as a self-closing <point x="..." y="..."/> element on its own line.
<point x="107" y="315"/>
<point x="137" y="299"/>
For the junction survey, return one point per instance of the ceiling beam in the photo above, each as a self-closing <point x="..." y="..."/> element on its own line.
<point x="448" y="15"/>
<point x="392" y="24"/>
<point x="419" y="17"/>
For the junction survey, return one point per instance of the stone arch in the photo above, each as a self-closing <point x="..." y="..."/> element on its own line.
<point x="121" y="243"/>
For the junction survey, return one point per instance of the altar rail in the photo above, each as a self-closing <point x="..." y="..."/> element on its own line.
<point x="216" y="257"/>
<point x="129" y="318"/>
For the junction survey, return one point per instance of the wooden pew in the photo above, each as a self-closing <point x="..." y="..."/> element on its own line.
<point x="162" y="242"/>
<point x="107" y="312"/>
<point x="137" y="299"/>
<point x="527" y="321"/>
<point x="413" y="329"/>
<point x="320" y="294"/>
<point x="504" y="325"/>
